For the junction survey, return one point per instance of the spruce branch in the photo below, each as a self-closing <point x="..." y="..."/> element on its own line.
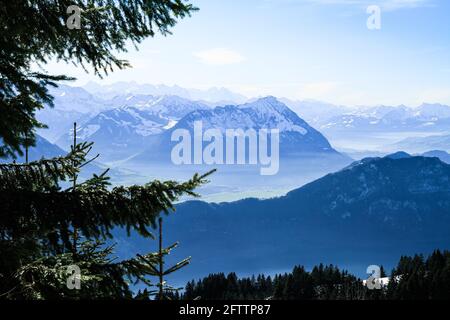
<point x="92" y="208"/>
<point x="44" y="174"/>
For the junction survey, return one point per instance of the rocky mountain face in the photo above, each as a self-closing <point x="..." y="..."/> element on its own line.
<point x="296" y="137"/>
<point x="122" y="131"/>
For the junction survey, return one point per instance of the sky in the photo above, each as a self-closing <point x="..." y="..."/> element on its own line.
<point x="301" y="49"/>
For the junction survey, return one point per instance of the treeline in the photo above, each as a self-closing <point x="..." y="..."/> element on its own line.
<point x="413" y="278"/>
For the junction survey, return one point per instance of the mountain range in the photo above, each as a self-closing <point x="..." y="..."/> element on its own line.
<point x="335" y="118"/>
<point x="132" y="124"/>
<point x="71" y="104"/>
<point x="132" y="131"/>
<point x="368" y="212"/>
<point x="297" y="138"/>
<point x="315" y="112"/>
<point x="426" y="117"/>
<point x="139" y="127"/>
<point x="368" y="130"/>
<point x="123" y="130"/>
<point x="212" y="95"/>
<point x="361" y="128"/>
<point x="42" y="149"/>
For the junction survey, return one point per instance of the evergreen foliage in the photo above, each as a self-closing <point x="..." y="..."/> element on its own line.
<point x="40" y="223"/>
<point x="413" y="279"/>
<point x="32" y="32"/>
<point x="417" y="278"/>
<point x="100" y="277"/>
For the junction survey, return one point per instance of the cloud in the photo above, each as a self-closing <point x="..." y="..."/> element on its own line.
<point x="219" y="56"/>
<point x="388" y="5"/>
<point x="404" y="4"/>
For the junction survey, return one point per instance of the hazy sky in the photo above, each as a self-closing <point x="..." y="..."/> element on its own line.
<point x="302" y="49"/>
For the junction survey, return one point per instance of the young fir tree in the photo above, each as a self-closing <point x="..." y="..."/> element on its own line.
<point x="32" y="32"/>
<point x="43" y="227"/>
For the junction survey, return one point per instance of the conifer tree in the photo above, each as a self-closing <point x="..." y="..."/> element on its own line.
<point x="44" y="227"/>
<point x="33" y="32"/>
<point x="40" y="225"/>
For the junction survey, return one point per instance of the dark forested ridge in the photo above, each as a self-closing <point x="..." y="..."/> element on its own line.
<point x="414" y="277"/>
<point x="371" y="212"/>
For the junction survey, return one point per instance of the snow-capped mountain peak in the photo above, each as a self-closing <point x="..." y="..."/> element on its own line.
<point x="131" y="119"/>
<point x="269" y="103"/>
<point x="168" y="106"/>
<point x="267" y="113"/>
<point x="296" y="136"/>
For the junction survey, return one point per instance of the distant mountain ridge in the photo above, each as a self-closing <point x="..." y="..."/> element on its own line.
<point x="423" y="144"/>
<point x="71" y="104"/>
<point x="132" y="126"/>
<point x="167" y="106"/>
<point x="359" y="129"/>
<point x="315" y="112"/>
<point x="442" y="155"/>
<point x="214" y="94"/>
<point x="43" y="149"/>
<point x="122" y="131"/>
<point x="426" y="117"/>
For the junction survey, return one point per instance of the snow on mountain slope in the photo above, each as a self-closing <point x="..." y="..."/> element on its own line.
<point x="296" y="136"/>
<point x="71" y="104"/>
<point x="170" y="107"/>
<point x="426" y="117"/>
<point x="68" y="98"/>
<point x="121" y="132"/>
<point x="267" y="113"/>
